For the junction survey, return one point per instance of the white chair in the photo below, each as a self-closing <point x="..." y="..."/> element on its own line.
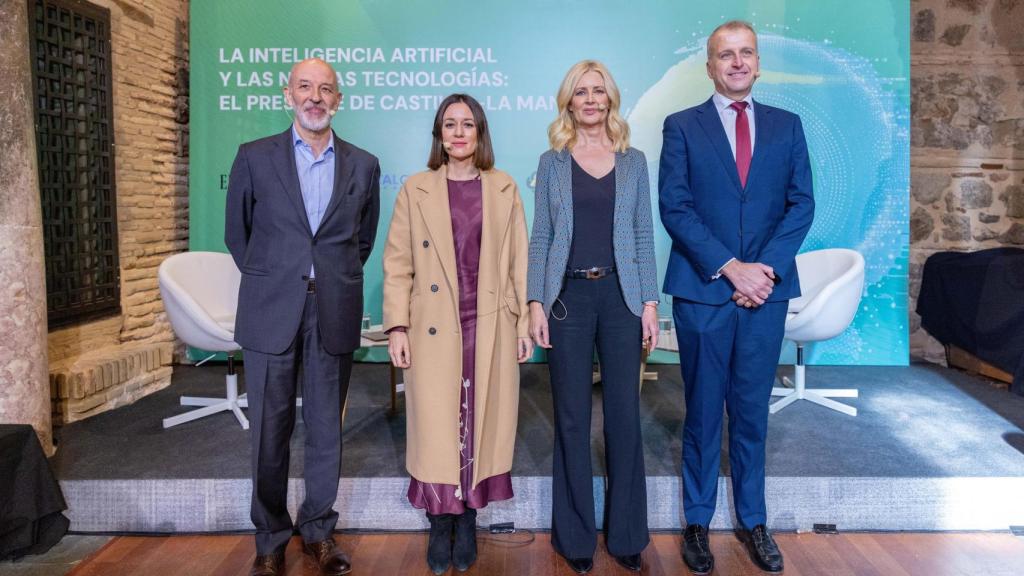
<point x="831" y="283"/>
<point x="200" y="294"/>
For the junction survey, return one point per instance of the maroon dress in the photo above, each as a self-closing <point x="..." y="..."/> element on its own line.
<point x="465" y="197"/>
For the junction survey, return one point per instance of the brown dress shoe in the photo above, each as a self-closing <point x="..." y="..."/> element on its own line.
<point x="330" y="559"/>
<point x="269" y="565"/>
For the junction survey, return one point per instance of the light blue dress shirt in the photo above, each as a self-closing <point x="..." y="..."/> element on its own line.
<point x="316" y="180"/>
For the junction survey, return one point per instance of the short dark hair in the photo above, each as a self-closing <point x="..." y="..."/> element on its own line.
<point x="484" y="156"/>
<point x="730" y="25"/>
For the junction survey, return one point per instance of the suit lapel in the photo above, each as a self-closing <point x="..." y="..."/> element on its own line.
<point x="437" y="216"/>
<point x="712" y="124"/>
<point x="343" y="171"/>
<point x="762" y="139"/>
<point x="284" y="164"/>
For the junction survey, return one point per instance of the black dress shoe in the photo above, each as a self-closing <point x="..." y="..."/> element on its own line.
<point x="580" y="565"/>
<point x="762" y="548"/>
<point x="629" y="562"/>
<point x="439" y="544"/>
<point x="697" y="550"/>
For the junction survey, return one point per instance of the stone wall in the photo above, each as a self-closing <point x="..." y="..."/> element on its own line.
<point x="967" y="135"/>
<point x="24" y="395"/>
<point x="104" y="364"/>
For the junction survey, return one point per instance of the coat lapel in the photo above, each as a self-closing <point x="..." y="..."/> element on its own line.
<point x="437" y="216"/>
<point x="284" y="164"/>
<point x="497" y="210"/>
<point x="762" y="139"/>
<point x="343" y="171"/>
<point x="563" y="173"/>
<point x="712" y="125"/>
<point x="621" y="170"/>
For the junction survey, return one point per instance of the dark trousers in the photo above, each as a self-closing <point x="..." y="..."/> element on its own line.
<point x="594" y="313"/>
<point x="271" y="381"/>
<point x="728" y="357"/>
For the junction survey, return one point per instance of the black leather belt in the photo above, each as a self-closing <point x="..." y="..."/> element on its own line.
<point x="311" y="286"/>
<point x="590" y="273"/>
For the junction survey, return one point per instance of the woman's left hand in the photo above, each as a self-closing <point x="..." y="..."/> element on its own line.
<point x="649" y="322"/>
<point x="524" y="349"/>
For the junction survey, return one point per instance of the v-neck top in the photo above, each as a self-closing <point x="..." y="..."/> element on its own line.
<point x="593" y="213"/>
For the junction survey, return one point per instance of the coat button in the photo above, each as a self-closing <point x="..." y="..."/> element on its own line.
<point x="432" y="331"/>
<point x="426" y="243"/>
<point x="433" y="288"/>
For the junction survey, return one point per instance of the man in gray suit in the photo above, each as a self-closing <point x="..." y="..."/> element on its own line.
<point x="301" y="218"/>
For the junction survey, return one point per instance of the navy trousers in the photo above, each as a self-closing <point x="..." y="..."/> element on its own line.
<point x="593" y="312"/>
<point x="728" y="357"/>
<point x="271" y="381"/>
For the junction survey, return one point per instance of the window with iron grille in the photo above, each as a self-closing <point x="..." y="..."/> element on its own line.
<point x="71" y="73"/>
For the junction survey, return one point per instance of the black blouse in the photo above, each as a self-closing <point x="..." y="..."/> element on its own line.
<point x="593" y="213"/>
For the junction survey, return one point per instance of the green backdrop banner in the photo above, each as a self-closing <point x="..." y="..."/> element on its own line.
<point x="843" y="66"/>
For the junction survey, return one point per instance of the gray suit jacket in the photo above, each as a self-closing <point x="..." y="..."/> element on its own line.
<point x="632" y="236"/>
<point x="268" y="234"/>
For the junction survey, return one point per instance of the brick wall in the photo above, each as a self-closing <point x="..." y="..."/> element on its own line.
<point x="967" y="134"/>
<point x="118" y="360"/>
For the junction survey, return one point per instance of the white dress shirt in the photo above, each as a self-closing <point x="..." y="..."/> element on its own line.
<point x="727" y="115"/>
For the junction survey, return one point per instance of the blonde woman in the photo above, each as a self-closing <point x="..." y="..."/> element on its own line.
<point x="455" y="311"/>
<point x="593" y="282"/>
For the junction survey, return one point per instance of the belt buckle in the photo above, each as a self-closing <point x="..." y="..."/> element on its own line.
<point x="593" y="273"/>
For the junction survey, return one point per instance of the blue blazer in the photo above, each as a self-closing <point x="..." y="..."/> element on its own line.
<point x="711" y="218"/>
<point x="268" y="234"/>
<point x="632" y="234"/>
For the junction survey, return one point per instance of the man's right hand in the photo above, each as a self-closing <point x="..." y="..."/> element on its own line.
<point x="398" y="348"/>
<point x="539" y="325"/>
<point x="752" y="280"/>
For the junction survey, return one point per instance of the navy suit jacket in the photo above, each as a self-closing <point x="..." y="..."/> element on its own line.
<point x="268" y="234"/>
<point x="712" y="218"/>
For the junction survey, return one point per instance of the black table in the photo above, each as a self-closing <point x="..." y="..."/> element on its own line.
<point x="975" y="301"/>
<point x="31" y="502"/>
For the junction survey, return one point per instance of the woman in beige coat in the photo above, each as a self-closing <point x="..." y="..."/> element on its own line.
<point x="455" y="311"/>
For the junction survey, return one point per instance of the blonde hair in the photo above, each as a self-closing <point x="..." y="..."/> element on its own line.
<point x="562" y="132"/>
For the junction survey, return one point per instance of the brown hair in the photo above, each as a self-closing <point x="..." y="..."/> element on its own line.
<point x="484" y="156"/>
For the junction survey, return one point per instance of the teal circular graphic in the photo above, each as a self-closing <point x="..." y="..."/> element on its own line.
<point x="859" y="148"/>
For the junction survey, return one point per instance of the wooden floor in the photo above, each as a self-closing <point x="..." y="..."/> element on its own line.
<point x="883" y="554"/>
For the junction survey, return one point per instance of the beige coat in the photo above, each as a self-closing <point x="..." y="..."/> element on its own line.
<point x="420" y="254"/>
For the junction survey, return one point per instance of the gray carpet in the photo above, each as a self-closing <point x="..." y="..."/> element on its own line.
<point x="921" y="421"/>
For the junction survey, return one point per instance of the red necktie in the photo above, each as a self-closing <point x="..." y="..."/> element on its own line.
<point x="742" y="141"/>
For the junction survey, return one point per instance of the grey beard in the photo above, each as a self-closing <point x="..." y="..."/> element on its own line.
<point x="311" y="125"/>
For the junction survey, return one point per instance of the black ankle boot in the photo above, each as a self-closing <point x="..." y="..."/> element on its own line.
<point x="464" y="551"/>
<point x="439" y="545"/>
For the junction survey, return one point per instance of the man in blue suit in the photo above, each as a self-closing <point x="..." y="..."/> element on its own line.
<point x="735" y="197"/>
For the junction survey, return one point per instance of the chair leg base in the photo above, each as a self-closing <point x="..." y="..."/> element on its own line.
<point x="215" y="405"/>
<point x="820" y="396"/>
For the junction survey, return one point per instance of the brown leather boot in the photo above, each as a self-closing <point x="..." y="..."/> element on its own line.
<point x="329" y="558"/>
<point x="268" y="565"/>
